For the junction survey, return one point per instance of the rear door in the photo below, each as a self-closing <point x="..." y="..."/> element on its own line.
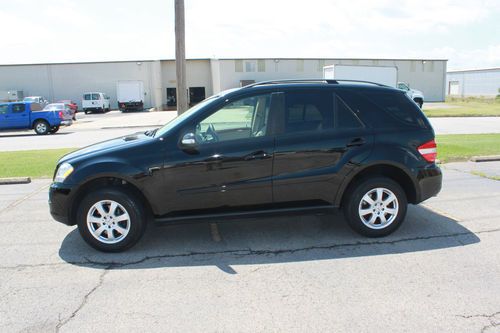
<point x="320" y="138"/>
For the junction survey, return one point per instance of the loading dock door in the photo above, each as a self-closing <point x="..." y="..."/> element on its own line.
<point x="171" y="97"/>
<point x="454" y="88"/>
<point x="196" y="95"/>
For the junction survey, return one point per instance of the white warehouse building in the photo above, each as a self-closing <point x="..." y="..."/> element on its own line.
<point x="475" y="82"/>
<point x="205" y="77"/>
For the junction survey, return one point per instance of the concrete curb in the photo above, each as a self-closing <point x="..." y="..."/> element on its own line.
<point x="15" y="180"/>
<point x="491" y="158"/>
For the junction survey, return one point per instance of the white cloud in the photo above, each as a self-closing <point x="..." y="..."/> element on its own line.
<point x="92" y="30"/>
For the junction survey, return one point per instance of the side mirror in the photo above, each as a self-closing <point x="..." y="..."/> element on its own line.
<point x="188" y="142"/>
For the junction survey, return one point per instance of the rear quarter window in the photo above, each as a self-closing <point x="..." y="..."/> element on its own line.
<point x="386" y="109"/>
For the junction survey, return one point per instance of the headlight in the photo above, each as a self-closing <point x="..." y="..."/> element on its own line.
<point x="63" y="172"/>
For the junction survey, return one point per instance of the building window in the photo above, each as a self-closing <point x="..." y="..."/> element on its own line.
<point x="321" y="64"/>
<point x="238" y="65"/>
<point x="250" y="66"/>
<point x="300" y="65"/>
<point x="261" y="65"/>
<point x="428" y="66"/>
<point x="413" y="66"/>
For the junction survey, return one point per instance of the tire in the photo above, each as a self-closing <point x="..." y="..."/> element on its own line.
<point x="54" y="129"/>
<point x="86" y="112"/>
<point x="107" y="225"/>
<point x="371" y="224"/>
<point x="41" y="127"/>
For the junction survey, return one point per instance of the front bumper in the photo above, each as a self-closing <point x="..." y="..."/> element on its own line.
<point x="429" y="181"/>
<point x="60" y="198"/>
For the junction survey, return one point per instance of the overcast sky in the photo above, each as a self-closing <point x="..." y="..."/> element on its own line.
<point x="465" y="32"/>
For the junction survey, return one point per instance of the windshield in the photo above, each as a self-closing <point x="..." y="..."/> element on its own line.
<point x="171" y="124"/>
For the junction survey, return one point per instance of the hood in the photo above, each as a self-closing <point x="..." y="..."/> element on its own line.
<point x="106" y="146"/>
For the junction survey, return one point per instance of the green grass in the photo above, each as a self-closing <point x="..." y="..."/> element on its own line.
<point x="41" y="163"/>
<point x="460" y="147"/>
<point x="466" y="107"/>
<point x="30" y="163"/>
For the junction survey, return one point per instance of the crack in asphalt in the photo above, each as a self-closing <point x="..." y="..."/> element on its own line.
<point x="240" y="252"/>
<point x="490" y="318"/>
<point x="73" y="314"/>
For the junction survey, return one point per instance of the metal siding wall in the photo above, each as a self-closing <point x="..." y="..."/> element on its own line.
<point x="476" y="83"/>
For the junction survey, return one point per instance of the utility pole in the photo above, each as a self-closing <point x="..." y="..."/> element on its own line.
<point x="180" y="57"/>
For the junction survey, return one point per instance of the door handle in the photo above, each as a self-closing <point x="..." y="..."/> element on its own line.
<point x="356" y="142"/>
<point x="258" y="155"/>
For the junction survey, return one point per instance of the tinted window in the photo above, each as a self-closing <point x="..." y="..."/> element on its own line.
<point x="95" y="97"/>
<point x="345" y="116"/>
<point x="384" y="110"/>
<point x="308" y="111"/>
<point x="398" y="106"/>
<point x="3" y="109"/>
<point x="241" y="119"/>
<point x="18" y="108"/>
<point x="87" y="97"/>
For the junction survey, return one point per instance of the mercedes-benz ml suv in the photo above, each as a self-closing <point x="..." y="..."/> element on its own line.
<point x="273" y="147"/>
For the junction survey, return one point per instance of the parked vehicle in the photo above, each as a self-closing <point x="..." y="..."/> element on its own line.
<point x="36" y="99"/>
<point x="130" y="95"/>
<point x="11" y="95"/>
<point x="95" y="102"/>
<point x="267" y="148"/>
<point x="72" y="105"/>
<point x="386" y="75"/>
<point x="416" y="95"/>
<point x="27" y="115"/>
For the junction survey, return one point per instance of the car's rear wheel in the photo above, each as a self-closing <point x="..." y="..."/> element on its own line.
<point x="41" y="127"/>
<point x="375" y="207"/>
<point x="111" y="219"/>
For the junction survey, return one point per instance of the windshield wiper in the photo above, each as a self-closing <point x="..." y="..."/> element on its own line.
<point x="151" y="133"/>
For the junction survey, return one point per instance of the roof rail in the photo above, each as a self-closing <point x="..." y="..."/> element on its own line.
<point x="326" y="81"/>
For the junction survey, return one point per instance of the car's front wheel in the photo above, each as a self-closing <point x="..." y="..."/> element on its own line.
<point x="111" y="219"/>
<point x="375" y="207"/>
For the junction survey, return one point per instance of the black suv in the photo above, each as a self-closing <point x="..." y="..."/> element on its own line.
<point x="272" y="147"/>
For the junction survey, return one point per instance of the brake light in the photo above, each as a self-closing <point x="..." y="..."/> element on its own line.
<point x="428" y="151"/>
<point x="61" y="115"/>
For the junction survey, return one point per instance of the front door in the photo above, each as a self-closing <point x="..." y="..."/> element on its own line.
<point x="320" y="135"/>
<point x="231" y="166"/>
<point x="18" y="116"/>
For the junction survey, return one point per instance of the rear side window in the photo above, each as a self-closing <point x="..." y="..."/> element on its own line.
<point x="345" y="117"/>
<point x="18" y="108"/>
<point x="87" y="97"/>
<point x="308" y="111"/>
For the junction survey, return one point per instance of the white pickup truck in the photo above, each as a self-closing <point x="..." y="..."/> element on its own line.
<point x="387" y="75"/>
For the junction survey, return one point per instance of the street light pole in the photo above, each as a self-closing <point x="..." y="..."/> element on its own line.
<point x="180" y="57"/>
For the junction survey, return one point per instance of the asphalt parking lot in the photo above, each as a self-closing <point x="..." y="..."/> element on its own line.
<point x="93" y="128"/>
<point x="439" y="272"/>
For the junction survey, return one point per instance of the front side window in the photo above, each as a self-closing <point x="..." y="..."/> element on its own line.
<point x="242" y="119"/>
<point x="308" y="111"/>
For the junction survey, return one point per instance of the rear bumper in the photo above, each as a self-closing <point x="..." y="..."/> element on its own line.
<point x="67" y="122"/>
<point x="429" y="182"/>
<point x="60" y="197"/>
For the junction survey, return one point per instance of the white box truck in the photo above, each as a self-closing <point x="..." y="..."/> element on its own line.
<point x="386" y="75"/>
<point x="130" y="95"/>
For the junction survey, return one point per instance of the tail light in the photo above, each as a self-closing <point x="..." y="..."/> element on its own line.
<point x="428" y="151"/>
<point x="61" y="115"/>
